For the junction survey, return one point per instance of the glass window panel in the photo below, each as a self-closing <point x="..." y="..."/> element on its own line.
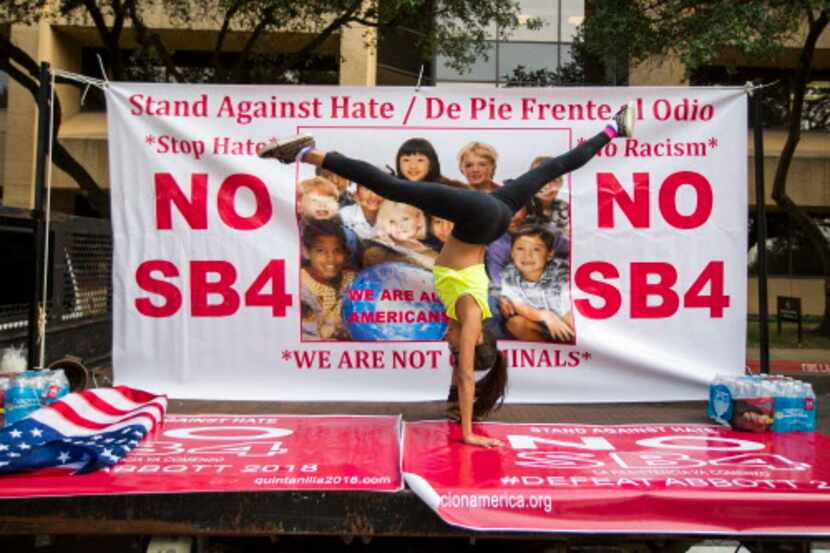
<point x="529" y="54"/>
<point x="489" y="31"/>
<point x="573" y="12"/>
<point x="565" y="54"/>
<point x="481" y="70"/>
<point x="4" y="89"/>
<point x="547" y="11"/>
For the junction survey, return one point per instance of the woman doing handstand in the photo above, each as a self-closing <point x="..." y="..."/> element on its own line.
<point x="459" y="274"/>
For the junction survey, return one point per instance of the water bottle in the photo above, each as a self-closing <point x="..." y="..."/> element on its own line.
<point x="810" y="408"/>
<point x="22" y="398"/>
<point x="795" y="407"/>
<point x="57" y="386"/>
<point x="5" y="383"/>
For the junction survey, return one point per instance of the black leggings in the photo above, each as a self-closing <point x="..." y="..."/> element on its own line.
<point x="479" y="217"/>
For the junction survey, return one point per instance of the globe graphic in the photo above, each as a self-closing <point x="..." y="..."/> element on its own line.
<point x="393" y="301"/>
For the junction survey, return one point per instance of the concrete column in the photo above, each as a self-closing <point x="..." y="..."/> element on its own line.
<point x="21" y="134"/>
<point x="667" y="71"/>
<point x="358" y="56"/>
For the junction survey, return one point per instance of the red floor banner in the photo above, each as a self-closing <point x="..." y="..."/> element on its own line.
<point x="218" y="453"/>
<point x="660" y="478"/>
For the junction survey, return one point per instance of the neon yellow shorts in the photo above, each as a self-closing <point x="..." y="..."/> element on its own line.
<point x="451" y="284"/>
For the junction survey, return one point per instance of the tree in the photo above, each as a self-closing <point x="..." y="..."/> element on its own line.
<point x="584" y="68"/>
<point x="697" y="32"/>
<point x="23" y="69"/>
<point x="454" y="28"/>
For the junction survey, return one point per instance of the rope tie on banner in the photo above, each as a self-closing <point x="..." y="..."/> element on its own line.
<point x="420" y="76"/>
<point x="751" y="87"/>
<point x="88" y="81"/>
<point x="42" y="314"/>
<point x="101" y="67"/>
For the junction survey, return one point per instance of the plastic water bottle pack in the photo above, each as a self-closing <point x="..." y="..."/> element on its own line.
<point x="31" y="390"/>
<point x="762" y="403"/>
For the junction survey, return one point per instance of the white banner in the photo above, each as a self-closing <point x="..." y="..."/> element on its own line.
<point x="241" y="278"/>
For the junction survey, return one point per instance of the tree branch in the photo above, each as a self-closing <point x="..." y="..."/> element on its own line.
<point x="267" y="19"/>
<point x="147" y="39"/>
<point x="291" y="60"/>
<point x="19" y="57"/>
<point x="223" y="31"/>
<point x="794" y="130"/>
<point x="779" y="191"/>
<point x="60" y="156"/>
<point x="98" y="19"/>
<point x="118" y="23"/>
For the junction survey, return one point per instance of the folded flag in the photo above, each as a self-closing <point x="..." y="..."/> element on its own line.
<point x="83" y="431"/>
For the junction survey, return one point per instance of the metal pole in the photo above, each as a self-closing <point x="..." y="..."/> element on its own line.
<point x="761" y="228"/>
<point x="36" y="305"/>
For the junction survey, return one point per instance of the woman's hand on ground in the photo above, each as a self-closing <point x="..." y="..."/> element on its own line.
<point x="483" y="441"/>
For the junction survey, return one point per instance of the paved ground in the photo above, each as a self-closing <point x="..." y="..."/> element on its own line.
<point x="788" y="361"/>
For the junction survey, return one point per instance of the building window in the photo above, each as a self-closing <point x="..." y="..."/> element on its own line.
<point x="4" y="90"/>
<point x="4" y="77"/>
<point x="482" y="70"/>
<point x="546" y="48"/>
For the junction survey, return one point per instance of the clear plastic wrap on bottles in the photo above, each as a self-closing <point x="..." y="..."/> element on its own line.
<point x="761" y="403"/>
<point x="5" y="384"/>
<point x="57" y="386"/>
<point x="30" y="390"/>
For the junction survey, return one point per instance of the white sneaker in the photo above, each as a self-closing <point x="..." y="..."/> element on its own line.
<point x="624" y="120"/>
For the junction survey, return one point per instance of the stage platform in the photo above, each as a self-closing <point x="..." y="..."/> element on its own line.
<point x="349" y="513"/>
<point x="354" y="513"/>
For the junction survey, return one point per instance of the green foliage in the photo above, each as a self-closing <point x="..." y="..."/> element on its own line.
<point x="23" y="12"/>
<point x="265" y="41"/>
<point x="694" y="30"/>
<point x="457" y="29"/>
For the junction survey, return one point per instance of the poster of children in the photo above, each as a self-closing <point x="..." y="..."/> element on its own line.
<point x="347" y="230"/>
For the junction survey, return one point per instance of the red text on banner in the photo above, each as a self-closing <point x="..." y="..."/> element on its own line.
<point x="636" y="209"/>
<point x="647" y="282"/>
<point x="209" y="279"/>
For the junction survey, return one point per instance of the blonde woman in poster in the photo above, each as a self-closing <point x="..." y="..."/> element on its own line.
<point x="477" y="162"/>
<point x="459" y="274"/>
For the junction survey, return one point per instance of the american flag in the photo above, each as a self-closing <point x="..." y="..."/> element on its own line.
<point x="82" y="431"/>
